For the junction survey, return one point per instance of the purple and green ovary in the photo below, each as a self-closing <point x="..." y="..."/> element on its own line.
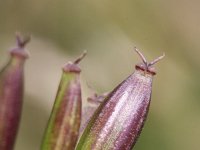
<point x="64" y="123"/>
<point x="65" y="118"/>
<point x="122" y="116"/>
<point x="118" y="121"/>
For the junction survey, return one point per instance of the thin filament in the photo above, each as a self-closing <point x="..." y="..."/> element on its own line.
<point x="80" y="57"/>
<point x="156" y="60"/>
<point x="22" y="41"/>
<point x="141" y="56"/>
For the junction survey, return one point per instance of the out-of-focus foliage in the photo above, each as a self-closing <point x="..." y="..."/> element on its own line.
<point x="109" y="30"/>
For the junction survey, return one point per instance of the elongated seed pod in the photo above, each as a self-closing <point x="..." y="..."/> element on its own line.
<point x="64" y="123"/>
<point x="11" y="94"/>
<point x="119" y="119"/>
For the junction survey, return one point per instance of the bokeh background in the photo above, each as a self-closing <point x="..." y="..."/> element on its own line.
<point x="109" y="30"/>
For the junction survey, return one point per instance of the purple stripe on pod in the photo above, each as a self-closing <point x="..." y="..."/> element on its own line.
<point x="11" y="94"/>
<point x="118" y="121"/>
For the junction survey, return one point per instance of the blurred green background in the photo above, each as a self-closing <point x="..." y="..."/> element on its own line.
<point x="109" y="30"/>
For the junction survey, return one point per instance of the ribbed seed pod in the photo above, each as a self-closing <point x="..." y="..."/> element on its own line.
<point x="11" y="94"/>
<point x="119" y="119"/>
<point x="64" y="123"/>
